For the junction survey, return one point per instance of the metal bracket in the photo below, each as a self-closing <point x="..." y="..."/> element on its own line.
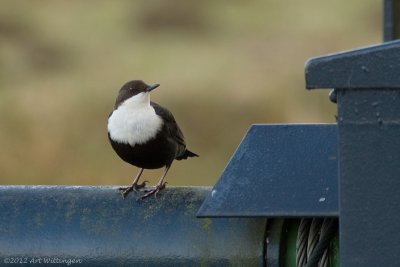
<point x="279" y="171"/>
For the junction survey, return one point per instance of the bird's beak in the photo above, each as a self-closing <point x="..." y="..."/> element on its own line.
<point x="152" y="87"/>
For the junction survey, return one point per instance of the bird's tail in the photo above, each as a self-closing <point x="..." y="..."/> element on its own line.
<point x="186" y="154"/>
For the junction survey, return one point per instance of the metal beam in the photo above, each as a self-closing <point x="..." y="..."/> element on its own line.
<point x="95" y="226"/>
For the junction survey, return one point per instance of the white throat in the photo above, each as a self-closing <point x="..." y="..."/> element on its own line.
<point x="134" y="121"/>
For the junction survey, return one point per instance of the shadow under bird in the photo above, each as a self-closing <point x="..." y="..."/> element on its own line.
<point x="144" y="134"/>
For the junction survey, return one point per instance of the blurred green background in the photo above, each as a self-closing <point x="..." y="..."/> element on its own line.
<point x="222" y="65"/>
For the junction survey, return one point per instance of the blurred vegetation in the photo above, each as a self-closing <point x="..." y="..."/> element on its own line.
<point x="222" y="65"/>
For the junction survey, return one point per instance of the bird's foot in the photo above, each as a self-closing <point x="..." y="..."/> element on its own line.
<point x="133" y="187"/>
<point x="153" y="190"/>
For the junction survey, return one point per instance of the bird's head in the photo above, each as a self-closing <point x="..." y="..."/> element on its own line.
<point x="136" y="91"/>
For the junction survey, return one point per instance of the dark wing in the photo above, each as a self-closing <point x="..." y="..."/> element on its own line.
<point x="173" y="128"/>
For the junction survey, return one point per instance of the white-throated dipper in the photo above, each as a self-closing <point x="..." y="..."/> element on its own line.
<point x="144" y="134"/>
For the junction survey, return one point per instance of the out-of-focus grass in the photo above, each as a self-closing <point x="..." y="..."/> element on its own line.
<point x="223" y="65"/>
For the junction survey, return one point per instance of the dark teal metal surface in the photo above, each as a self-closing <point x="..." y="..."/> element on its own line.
<point x="369" y="130"/>
<point x="391" y="20"/>
<point x="279" y="171"/>
<point x="95" y="226"/>
<point x="367" y="83"/>
<point x="370" y="67"/>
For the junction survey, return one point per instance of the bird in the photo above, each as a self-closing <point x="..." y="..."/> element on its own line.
<point x="144" y="134"/>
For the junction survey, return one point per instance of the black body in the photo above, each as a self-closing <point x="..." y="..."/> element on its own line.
<point x="161" y="150"/>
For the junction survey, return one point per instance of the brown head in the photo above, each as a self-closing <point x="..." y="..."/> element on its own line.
<point x="133" y="88"/>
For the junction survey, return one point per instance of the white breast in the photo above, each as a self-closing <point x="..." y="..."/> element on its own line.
<point x="134" y="122"/>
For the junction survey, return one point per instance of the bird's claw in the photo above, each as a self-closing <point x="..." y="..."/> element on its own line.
<point x="153" y="190"/>
<point x="133" y="187"/>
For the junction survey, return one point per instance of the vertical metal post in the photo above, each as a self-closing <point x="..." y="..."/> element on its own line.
<point x="367" y="83"/>
<point x="391" y="20"/>
<point x="369" y="167"/>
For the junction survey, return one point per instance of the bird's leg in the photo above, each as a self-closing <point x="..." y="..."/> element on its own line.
<point x="159" y="186"/>
<point x="134" y="185"/>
